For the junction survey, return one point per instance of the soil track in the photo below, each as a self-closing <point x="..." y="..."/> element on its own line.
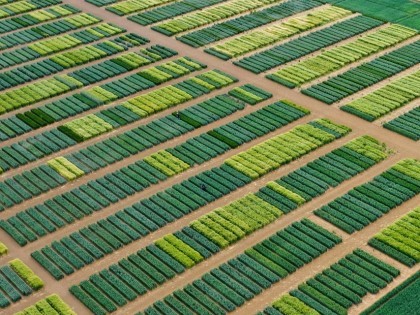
<point x="357" y="240"/>
<point x="403" y="146"/>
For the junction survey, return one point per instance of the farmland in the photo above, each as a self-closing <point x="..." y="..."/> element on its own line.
<point x="209" y="157"/>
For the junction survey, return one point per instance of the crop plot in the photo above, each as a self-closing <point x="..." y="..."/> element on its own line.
<point x="17" y="280"/>
<point x="405" y="13"/>
<point x="398" y="240"/>
<point x="400" y="299"/>
<point x="181" y="157"/>
<point x="337" y="288"/>
<point x="406" y="124"/>
<point x="230" y="282"/>
<point x="365" y="75"/>
<point x="373" y="199"/>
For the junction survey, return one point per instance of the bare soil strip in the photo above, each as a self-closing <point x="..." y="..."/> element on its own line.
<point x="359" y="62"/>
<point x="120" y="76"/>
<point x="376" y="86"/>
<point x="274" y="23"/>
<point x="38" y="24"/>
<point x="357" y="240"/>
<point x="134" y="158"/>
<point x="402" y="145"/>
<point x="114" y="132"/>
<point x="320" y="51"/>
<point x="304" y="33"/>
<point x="398" y="112"/>
<point x="151" y="189"/>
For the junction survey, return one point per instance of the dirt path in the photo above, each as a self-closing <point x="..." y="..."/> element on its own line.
<point x="376" y="86"/>
<point x="136" y="157"/>
<point x="116" y="131"/>
<point x="357" y="240"/>
<point x="360" y="62"/>
<point x="320" y="51"/>
<point x="301" y="34"/>
<point x="38" y="24"/>
<point x="270" y="25"/>
<point x="369" y="299"/>
<point x="78" y="90"/>
<point x="402" y="145"/>
<point x="227" y="254"/>
<point x="398" y="112"/>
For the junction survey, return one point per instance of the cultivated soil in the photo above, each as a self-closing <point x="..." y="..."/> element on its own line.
<point x="403" y="147"/>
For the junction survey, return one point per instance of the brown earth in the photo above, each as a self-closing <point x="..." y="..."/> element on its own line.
<point x="403" y="146"/>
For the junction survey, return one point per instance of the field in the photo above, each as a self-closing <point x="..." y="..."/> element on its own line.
<point x="405" y="13"/>
<point x="164" y="157"/>
<point x="397" y="299"/>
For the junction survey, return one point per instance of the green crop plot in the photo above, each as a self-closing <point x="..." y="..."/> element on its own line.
<point x="178" y="157"/>
<point x="405" y="12"/>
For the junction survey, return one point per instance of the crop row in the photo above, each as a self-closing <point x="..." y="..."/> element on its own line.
<point x="19" y="7"/>
<point x="52" y="304"/>
<point x="250" y="94"/>
<point x="25" y="54"/>
<point x="146" y="105"/>
<point x="386" y="99"/>
<point x="401" y="300"/>
<point x="3" y="249"/>
<point x="271" y="154"/>
<point x="406" y="124"/>
<point x="223" y="226"/>
<point x="65" y="168"/>
<point x="210" y="15"/>
<point x="126" y="7"/>
<point x="137" y="175"/>
<point x="171" y="10"/>
<point x="227" y="225"/>
<point x="101" y="3"/>
<point x="307" y="44"/>
<point x="230" y="285"/>
<point x="17" y="280"/>
<point x="99" y="239"/>
<point x="400" y="240"/>
<point x="37" y="33"/>
<point x="67" y="60"/>
<point x="105" y="152"/>
<point x="368" y="202"/>
<point x="315" y="178"/>
<point x="365" y="75"/>
<point x="94" y="157"/>
<point x="333" y="59"/>
<point x="241" y="24"/>
<point x="338" y="288"/>
<point x="78" y="103"/>
<point x="48" y="88"/>
<point x="57" y="139"/>
<point x="105" y="236"/>
<point x="86" y="128"/>
<point x="166" y="163"/>
<point x="158" y="210"/>
<point x="36" y="17"/>
<point x="273" y="33"/>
